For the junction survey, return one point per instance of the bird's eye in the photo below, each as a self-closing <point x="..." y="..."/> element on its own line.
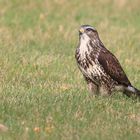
<point x="89" y="29"/>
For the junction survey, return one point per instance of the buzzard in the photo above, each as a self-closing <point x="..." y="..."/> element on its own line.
<point x="100" y="68"/>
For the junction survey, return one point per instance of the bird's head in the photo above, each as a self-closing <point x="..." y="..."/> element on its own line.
<point x="88" y="32"/>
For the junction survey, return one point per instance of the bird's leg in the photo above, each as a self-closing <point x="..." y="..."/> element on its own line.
<point x="104" y="91"/>
<point x="93" y="89"/>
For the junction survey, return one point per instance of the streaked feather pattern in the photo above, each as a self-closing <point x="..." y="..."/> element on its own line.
<point x="98" y="65"/>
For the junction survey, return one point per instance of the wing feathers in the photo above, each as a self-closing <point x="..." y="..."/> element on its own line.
<point x="112" y="67"/>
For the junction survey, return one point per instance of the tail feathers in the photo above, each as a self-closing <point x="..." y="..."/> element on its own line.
<point x="131" y="89"/>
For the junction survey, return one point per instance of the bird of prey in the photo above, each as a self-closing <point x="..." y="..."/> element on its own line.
<point x="100" y="68"/>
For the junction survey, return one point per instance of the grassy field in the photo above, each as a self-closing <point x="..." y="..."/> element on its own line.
<point x="42" y="93"/>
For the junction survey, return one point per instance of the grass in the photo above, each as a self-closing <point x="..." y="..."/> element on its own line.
<point x="42" y="93"/>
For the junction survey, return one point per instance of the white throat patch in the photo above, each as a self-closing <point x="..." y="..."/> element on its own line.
<point x="84" y="41"/>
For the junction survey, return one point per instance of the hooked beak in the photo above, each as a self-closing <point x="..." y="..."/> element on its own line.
<point x="81" y="30"/>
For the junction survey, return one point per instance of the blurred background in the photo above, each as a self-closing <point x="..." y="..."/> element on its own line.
<point x="38" y="39"/>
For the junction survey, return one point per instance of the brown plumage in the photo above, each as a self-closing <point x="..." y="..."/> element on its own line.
<point x="99" y="66"/>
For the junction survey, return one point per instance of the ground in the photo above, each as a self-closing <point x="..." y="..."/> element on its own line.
<point x="42" y="92"/>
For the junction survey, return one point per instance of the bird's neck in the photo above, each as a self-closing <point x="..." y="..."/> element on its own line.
<point x="84" y="47"/>
<point x="87" y="46"/>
